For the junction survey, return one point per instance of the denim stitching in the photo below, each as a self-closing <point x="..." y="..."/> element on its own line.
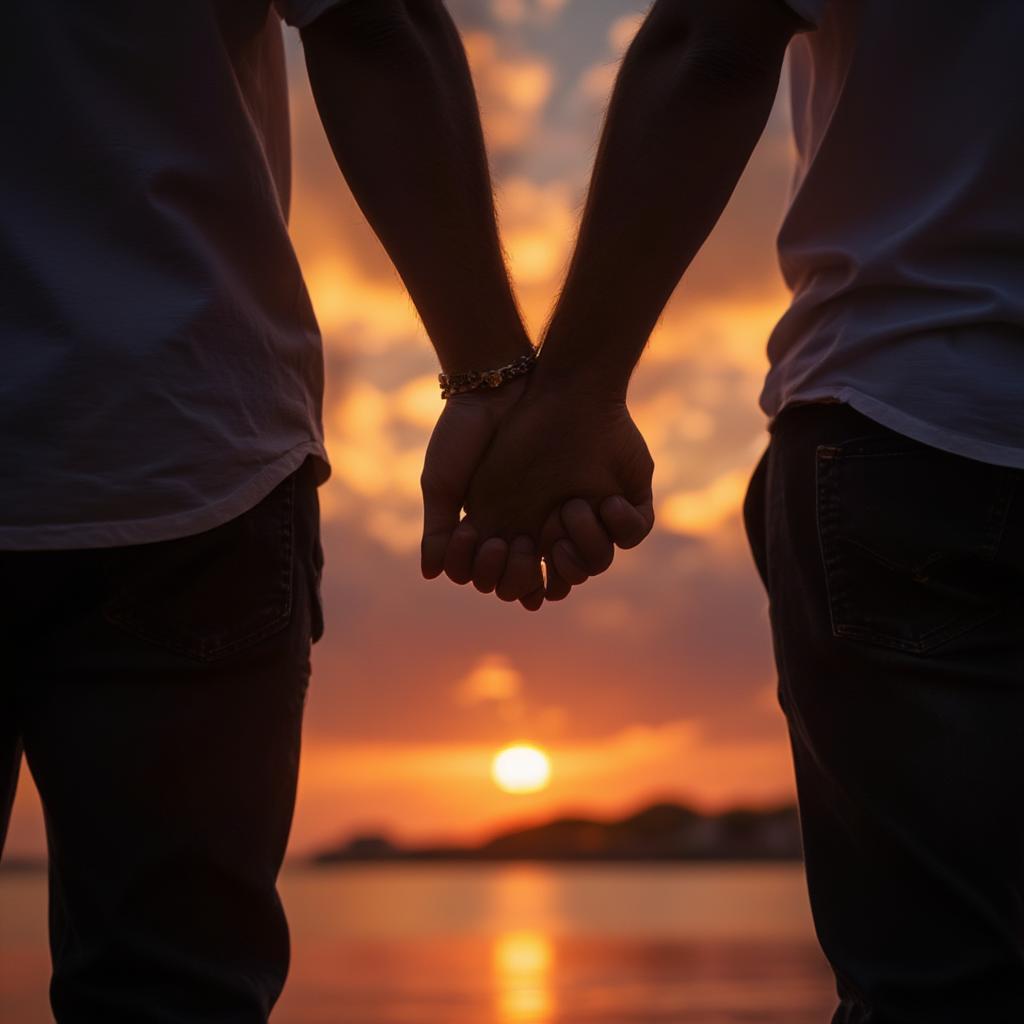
<point x="828" y="515"/>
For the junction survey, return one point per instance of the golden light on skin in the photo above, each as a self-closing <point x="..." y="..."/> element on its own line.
<point x="521" y="769"/>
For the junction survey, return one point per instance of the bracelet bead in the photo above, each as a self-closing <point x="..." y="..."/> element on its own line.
<point x="475" y="380"/>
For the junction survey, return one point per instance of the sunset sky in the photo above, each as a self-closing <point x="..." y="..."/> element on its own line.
<point x="654" y="680"/>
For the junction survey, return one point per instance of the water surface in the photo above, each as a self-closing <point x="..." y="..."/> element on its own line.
<point x="485" y="944"/>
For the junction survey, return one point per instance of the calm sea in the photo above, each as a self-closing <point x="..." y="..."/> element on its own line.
<point x="512" y="945"/>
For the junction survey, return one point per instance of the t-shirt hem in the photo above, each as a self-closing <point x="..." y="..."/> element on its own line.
<point x="910" y="426"/>
<point x="72" y="536"/>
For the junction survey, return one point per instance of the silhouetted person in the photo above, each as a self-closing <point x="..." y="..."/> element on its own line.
<point x="161" y="443"/>
<point x="887" y="517"/>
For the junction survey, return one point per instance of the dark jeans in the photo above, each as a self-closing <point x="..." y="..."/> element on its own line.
<point x="158" y="691"/>
<point x="896" y="576"/>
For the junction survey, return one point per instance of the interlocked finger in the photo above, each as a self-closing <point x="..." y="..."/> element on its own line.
<point x="458" y="559"/>
<point x="589" y="538"/>
<point x="489" y="565"/>
<point x="522" y="575"/>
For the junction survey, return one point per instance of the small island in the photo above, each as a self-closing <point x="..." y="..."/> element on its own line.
<point x="660" y="832"/>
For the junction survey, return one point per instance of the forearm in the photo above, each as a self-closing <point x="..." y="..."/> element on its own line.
<point x="683" y="120"/>
<point x="394" y="92"/>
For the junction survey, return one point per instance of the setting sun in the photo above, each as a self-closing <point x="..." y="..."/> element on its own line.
<point x="521" y="769"/>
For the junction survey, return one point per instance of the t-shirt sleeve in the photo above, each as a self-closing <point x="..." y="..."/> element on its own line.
<point x="810" y="10"/>
<point x="301" y="13"/>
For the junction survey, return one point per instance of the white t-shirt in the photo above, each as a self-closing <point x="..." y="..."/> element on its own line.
<point x="904" y="240"/>
<point x="160" y="364"/>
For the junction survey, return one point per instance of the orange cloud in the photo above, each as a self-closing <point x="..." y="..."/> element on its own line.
<point x="512" y="89"/>
<point x="622" y="31"/>
<point x="538" y="228"/>
<point x="493" y="679"/>
<point x="518" y="12"/>
<point x="704" y="511"/>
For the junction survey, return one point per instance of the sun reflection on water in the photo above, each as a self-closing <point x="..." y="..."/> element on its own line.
<point x="523" y="962"/>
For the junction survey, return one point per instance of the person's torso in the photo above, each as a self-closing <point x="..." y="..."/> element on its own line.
<point x="157" y="346"/>
<point x="904" y="240"/>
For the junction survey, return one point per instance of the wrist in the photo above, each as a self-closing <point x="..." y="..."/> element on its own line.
<point x="580" y="379"/>
<point x="487" y="350"/>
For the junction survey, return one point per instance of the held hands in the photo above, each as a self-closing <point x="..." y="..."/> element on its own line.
<point x="542" y="473"/>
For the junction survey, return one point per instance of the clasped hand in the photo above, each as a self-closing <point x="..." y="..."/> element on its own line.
<point x="544" y="475"/>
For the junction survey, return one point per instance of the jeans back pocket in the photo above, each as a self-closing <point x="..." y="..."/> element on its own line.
<point x="212" y="594"/>
<point x="909" y="536"/>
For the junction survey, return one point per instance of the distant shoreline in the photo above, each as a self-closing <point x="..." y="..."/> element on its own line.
<point x="663" y="833"/>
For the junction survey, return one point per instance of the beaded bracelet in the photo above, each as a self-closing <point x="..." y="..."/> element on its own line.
<point x="475" y="380"/>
